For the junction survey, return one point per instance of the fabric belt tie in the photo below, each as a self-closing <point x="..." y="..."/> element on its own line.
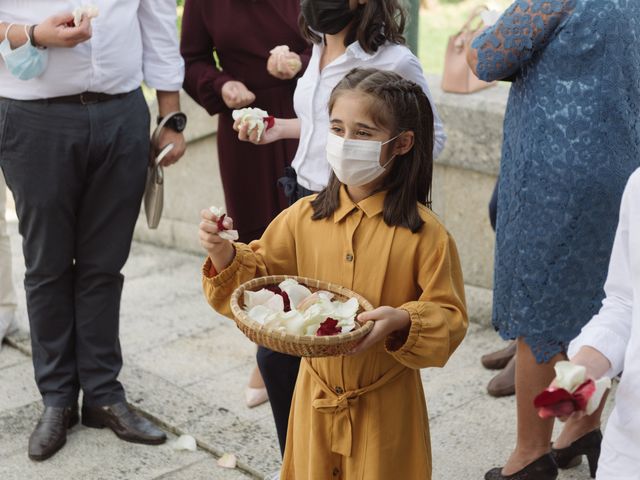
<point x="339" y="406"/>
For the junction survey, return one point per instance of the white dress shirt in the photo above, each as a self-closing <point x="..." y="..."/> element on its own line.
<point x="132" y="40"/>
<point x="312" y="97"/>
<point x="615" y="332"/>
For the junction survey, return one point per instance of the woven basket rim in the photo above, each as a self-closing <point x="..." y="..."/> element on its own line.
<point x="260" y="282"/>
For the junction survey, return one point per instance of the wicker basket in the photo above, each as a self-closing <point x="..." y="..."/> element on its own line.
<point x="298" y="345"/>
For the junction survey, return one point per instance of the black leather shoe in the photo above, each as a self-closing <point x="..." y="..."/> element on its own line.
<point x="50" y="433"/>
<point x="571" y="456"/>
<point x="125" y="423"/>
<point x="544" y="468"/>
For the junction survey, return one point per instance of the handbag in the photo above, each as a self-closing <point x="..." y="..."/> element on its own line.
<point x="458" y="76"/>
<point x="154" y="188"/>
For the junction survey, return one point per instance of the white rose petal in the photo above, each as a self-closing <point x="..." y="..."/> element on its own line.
<point x="228" y="460"/>
<point x="229" y="235"/>
<point x="217" y="211"/>
<point x="89" y="11"/>
<point x="280" y="50"/>
<point x="253" y="117"/>
<point x="602" y="385"/>
<point x="345" y="310"/>
<point x="275" y="303"/>
<point x="185" y="442"/>
<point x="307" y="313"/>
<point x="251" y="299"/>
<point x="569" y="376"/>
<point x="260" y="313"/>
<point x="297" y="293"/>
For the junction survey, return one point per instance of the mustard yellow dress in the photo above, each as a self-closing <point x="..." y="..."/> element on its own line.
<point x="361" y="417"/>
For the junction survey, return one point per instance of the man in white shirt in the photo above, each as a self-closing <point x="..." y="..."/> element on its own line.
<point x="74" y="148"/>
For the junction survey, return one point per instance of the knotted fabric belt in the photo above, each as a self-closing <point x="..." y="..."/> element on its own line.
<point x="339" y="406"/>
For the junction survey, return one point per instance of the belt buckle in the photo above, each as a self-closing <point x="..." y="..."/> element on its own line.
<point x="88" y="98"/>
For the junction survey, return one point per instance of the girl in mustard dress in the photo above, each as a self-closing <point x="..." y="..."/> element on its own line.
<point x="363" y="416"/>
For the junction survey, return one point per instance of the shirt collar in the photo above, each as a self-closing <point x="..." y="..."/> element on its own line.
<point x="371" y="206"/>
<point x="357" y="51"/>
<point x="353" y="50"/>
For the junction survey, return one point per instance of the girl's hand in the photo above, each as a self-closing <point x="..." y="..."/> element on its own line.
<point x="221" y="252"/>
<point x="284" y="66"/>
<point x="268" y="136"/>
<point x="236" y="95"/>
<point x="386" y="321"/>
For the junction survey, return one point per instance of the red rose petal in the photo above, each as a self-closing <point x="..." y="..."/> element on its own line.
<point x="557" y="402"/>
<point x="220" y="223"/>
<point x="561" y="409"/>
<point x="583" y="393"/>
<point x="269" y="121"/>
<point x="551" y="396"/>
<point x="285" y="297"/>
<point x="328" y="327"/>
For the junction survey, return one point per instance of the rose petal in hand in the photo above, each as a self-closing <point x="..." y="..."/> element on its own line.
<point x="558" y="410"/>
<point x="583" y="393"/>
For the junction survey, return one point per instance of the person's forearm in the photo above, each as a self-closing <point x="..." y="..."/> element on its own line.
<point x="17" y="36"/>
<point x="168" y="102"/>
<point x="222" y="257"/>
<point x="288" y="128"/>
<point x="594" y="361"/>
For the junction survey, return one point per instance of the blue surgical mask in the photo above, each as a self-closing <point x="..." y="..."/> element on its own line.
<point x="26" y="61"/>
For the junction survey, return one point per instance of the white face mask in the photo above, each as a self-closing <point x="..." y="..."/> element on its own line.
<point x="26" y="61"/>
<point x="356" y="162"/>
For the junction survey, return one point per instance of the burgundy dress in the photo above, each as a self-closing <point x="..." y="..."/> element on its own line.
<point x="242" y="32"/>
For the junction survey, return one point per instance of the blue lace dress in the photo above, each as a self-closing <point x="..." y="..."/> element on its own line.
<point x="571" y="140"/>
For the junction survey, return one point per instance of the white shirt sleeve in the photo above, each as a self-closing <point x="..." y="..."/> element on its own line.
<point x="162" y="65"/>
<point x="610" y="330"/>
<point x="410" y="68"/>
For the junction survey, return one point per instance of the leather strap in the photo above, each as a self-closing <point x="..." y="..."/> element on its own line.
<point x="85" y="98"/>
<point x="474" y="15"/>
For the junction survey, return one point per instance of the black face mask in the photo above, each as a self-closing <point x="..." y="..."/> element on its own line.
<point x="327" y="16"/>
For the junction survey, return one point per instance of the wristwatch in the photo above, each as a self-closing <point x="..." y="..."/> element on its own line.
<point x="177" y="121"/>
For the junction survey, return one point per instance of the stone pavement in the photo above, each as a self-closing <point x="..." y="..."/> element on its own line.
<point x="186" y="367"/>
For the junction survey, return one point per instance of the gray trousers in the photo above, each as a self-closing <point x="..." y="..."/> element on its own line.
<point x="77" y="173"/>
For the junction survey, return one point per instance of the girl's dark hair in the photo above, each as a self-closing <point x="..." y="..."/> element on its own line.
<point x="398" y="105"/>
<point x="375" y="23"/>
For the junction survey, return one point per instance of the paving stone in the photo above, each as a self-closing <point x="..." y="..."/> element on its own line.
<point x="10" y="357"/>
<point x="17" y="386"/>
<point x="254" y="443"/>
<point x="191" y="359"/>
<point x="161" y="399"/>
<point x="206" y="469"/>
<point x="226" y="390"/>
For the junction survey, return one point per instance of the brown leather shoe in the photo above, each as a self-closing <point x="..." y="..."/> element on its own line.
<point x="498" y="360"/>
<point x="125" y="423"/>
<point x="50" y="433"/>
<point x="504" y="383"/>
